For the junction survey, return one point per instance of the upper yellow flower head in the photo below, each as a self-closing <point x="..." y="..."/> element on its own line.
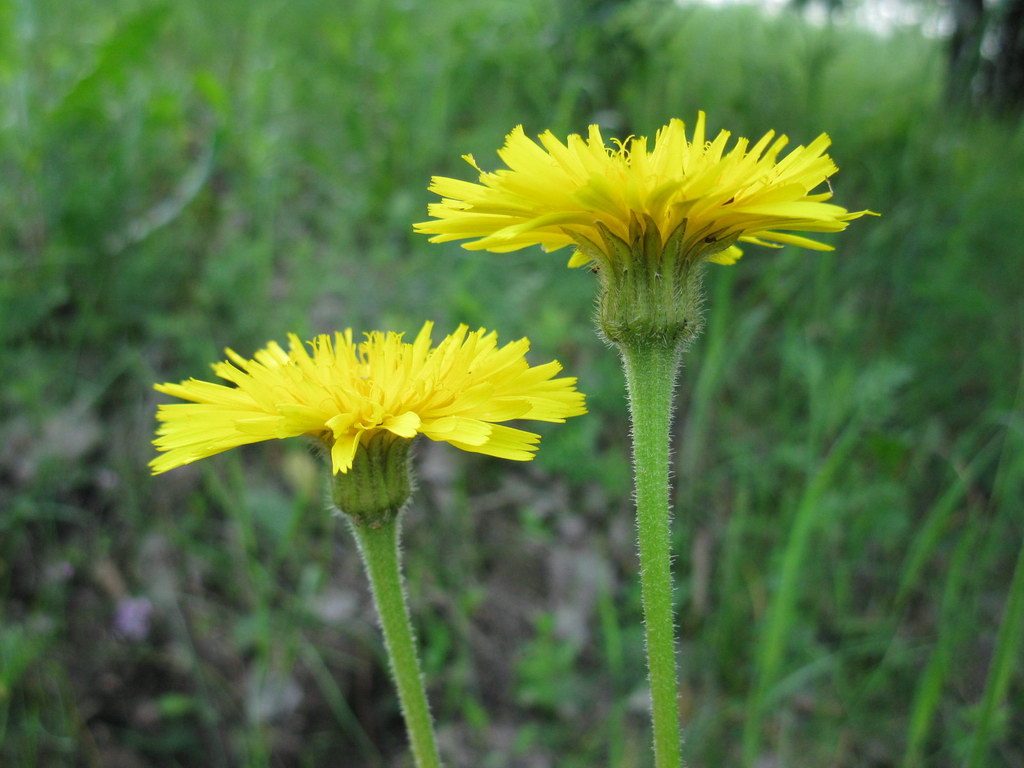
<point x="343" y="392"/>
<point x="556" y="194"/>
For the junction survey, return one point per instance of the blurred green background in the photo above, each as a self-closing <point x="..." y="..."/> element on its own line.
<point x="180" y="177"/>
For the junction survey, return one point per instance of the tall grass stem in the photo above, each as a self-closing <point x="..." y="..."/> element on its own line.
<point x="780" y="619"/>
<point x="1000" y="673"/>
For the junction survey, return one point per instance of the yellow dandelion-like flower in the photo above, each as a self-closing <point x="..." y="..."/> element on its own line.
<point x="344" y="393"/>
<point x="692" y="192"/>
<point x="647" y="220"/>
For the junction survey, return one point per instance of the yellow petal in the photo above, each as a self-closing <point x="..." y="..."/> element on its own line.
<point x="405" y="425"/>
<point x="343" y="452"/>
<point x="573" y="186"/>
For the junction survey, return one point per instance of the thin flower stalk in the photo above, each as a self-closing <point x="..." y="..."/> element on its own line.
<point x="646" y="220"/>
<point x="365" y="403"/>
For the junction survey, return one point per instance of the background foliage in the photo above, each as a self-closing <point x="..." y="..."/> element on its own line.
<point x="184" y="176"/>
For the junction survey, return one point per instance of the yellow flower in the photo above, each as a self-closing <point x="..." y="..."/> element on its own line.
<point x="343" y="392"/>
<point x="693" y="192"/>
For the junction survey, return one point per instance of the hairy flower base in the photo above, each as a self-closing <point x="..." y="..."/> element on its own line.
<point x="650" y="292"/>
<point x="378" y="484"/>
<point x="343" y="394"/>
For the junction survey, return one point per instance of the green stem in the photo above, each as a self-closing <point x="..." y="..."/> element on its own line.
<point x="650" y="378"/>
<point x="378" y="544"/>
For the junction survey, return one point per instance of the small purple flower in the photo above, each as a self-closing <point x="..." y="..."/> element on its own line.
<point x="59" y="571"/>
<point x="131" y="619"/>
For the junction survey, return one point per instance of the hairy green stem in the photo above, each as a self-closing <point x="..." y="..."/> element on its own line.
<point x="378" y="543"/>
<point x="650" y="377"/>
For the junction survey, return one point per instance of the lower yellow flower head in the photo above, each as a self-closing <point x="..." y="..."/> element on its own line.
<point x="343" y="392"/>
<point x="691" y="191"/>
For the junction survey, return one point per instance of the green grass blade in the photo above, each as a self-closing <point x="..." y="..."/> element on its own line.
<point x="1007" y="653"/>
<point x="937" y="521"/>
<point x="337" y="704"/>
<point x="780" y="613"/>
<point x="611" y="633"/>
<point x="929" y="689"/>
